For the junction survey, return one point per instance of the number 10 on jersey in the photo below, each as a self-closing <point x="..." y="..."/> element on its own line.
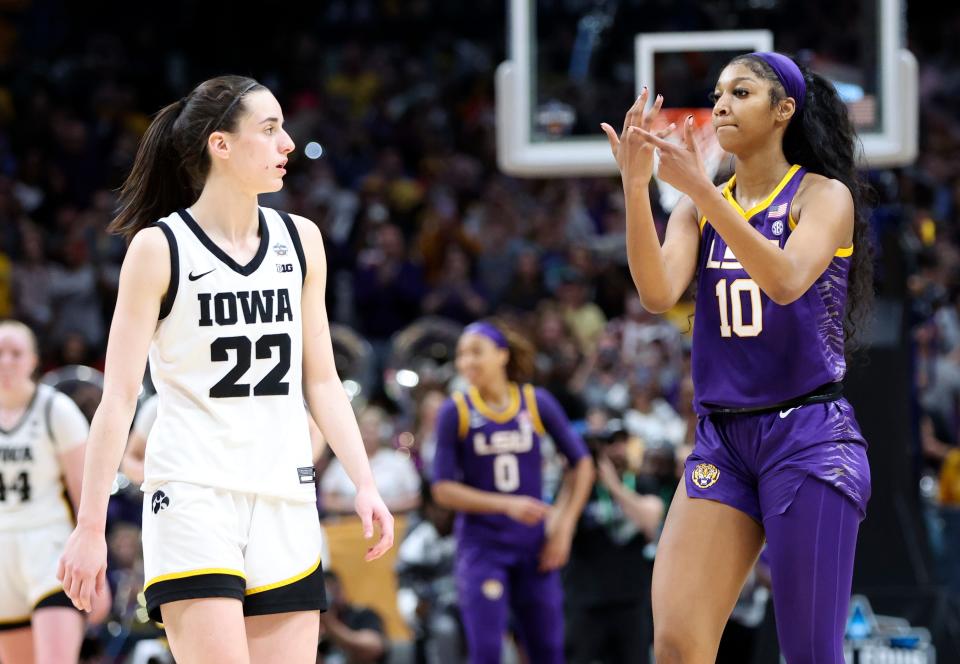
<point x="739" y="287"/>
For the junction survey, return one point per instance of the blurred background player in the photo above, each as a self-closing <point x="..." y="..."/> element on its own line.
<point x="488" y="468"/>
<point x="42" y="438"/>
<point x="778" y="452"/>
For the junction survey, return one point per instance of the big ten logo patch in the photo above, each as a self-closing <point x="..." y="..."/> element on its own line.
<point x="284" y="267"/>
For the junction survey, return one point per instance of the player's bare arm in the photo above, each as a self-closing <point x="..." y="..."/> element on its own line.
<point x="143" y="281"/>
<point x="325" y="395"/>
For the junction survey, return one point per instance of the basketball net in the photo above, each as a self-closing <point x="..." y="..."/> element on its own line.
<point x="703" y="134"/>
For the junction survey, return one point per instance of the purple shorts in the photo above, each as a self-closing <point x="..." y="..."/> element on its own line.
<point x="757" y="462"/>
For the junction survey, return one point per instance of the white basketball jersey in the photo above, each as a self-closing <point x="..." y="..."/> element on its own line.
<point x="32" y="492"/>
<point x="226" y="360"/>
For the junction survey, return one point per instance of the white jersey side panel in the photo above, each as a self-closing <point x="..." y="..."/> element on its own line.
<point x="32" y="493"/>
<point x="227" y="364"/>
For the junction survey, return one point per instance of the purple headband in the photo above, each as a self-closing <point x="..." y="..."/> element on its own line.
<point x="489" y="331"/>
<point x="789" y="74"/>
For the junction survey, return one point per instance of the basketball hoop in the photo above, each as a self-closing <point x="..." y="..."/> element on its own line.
<point x="705" y="137"/>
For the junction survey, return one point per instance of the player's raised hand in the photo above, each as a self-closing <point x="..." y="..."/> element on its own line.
<point x="681" y="165"/>
<point x="634" y="155"/>
<point x="527" y="510"/>
<point x="371" y="508"/>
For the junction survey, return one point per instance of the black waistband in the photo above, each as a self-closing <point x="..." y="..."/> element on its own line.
<point x="823" y="394"/>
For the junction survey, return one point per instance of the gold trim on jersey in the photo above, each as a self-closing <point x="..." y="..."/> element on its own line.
<point x="197" y="572"/>
<point x="498" y="416"/>
<point x="530" y="395"/>
<point x="463" y="415"/>
<point x="703" y="222"/>
<point x="285" y="582"/>
<point x="842" y="252"/>
<point x="765" y="203"/>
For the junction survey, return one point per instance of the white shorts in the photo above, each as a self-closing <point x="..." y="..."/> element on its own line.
<point x="200" y="541"/>
<point x="28" y="572"/>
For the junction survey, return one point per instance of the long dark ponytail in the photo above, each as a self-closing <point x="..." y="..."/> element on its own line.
<point x="821" y="138"/>
<point x="172" y="162"/>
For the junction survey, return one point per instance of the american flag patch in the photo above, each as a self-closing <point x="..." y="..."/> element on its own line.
<point x="777" y="211"/>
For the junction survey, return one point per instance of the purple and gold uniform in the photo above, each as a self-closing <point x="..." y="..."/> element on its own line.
<point x="497" y="557"/>
<point x="766" y="379"/>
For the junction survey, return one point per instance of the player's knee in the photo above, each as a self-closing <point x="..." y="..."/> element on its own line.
<point x="667" y="652"/>
<point x="675" y="646"/>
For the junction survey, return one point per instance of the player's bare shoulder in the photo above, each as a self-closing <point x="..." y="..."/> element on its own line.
<point x="816" y="187"/>
<point x="148" y="258"/>
<point x="312" y="240"/>
<point x="306" y="227"/>
<point x="150" y="240"/>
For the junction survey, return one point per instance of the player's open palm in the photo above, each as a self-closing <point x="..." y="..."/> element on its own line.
<point x="527" y="510"/>
<point x="633" y="154"/>
<point x="83" y="567"/>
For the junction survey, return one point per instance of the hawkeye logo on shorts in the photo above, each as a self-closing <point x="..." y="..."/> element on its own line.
<point x="160" y="501"/>
<point x="705" y="475"/>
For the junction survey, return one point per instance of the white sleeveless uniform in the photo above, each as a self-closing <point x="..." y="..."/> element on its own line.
<point x="36" y="517"/>
<point x="228" y="464"/>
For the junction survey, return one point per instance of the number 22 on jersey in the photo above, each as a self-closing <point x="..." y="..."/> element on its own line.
<point x="271" y="384"/>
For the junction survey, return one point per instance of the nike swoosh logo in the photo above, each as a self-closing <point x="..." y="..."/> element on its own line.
<point x="784" y="413"/>
<point x="194" y="277"/>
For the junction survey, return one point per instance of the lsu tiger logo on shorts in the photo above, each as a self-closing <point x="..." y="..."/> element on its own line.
<point x="492" y="589"/>
<point x="705" y="475"/>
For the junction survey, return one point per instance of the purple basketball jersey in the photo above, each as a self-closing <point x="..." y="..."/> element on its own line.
<point x="500" y="451"/>
<point x="748" y="351"/>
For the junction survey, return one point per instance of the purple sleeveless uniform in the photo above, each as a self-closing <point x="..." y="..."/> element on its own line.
<point x="750" y="353"/>
<point x="497" y="557"/>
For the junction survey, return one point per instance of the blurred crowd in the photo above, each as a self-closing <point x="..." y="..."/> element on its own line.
<point x="391" y="105"/>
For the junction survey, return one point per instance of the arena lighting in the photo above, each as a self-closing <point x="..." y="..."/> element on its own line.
<point x="408" y="378"/>
<point x="313" y="150"/>
<point x="352" y="388"/>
